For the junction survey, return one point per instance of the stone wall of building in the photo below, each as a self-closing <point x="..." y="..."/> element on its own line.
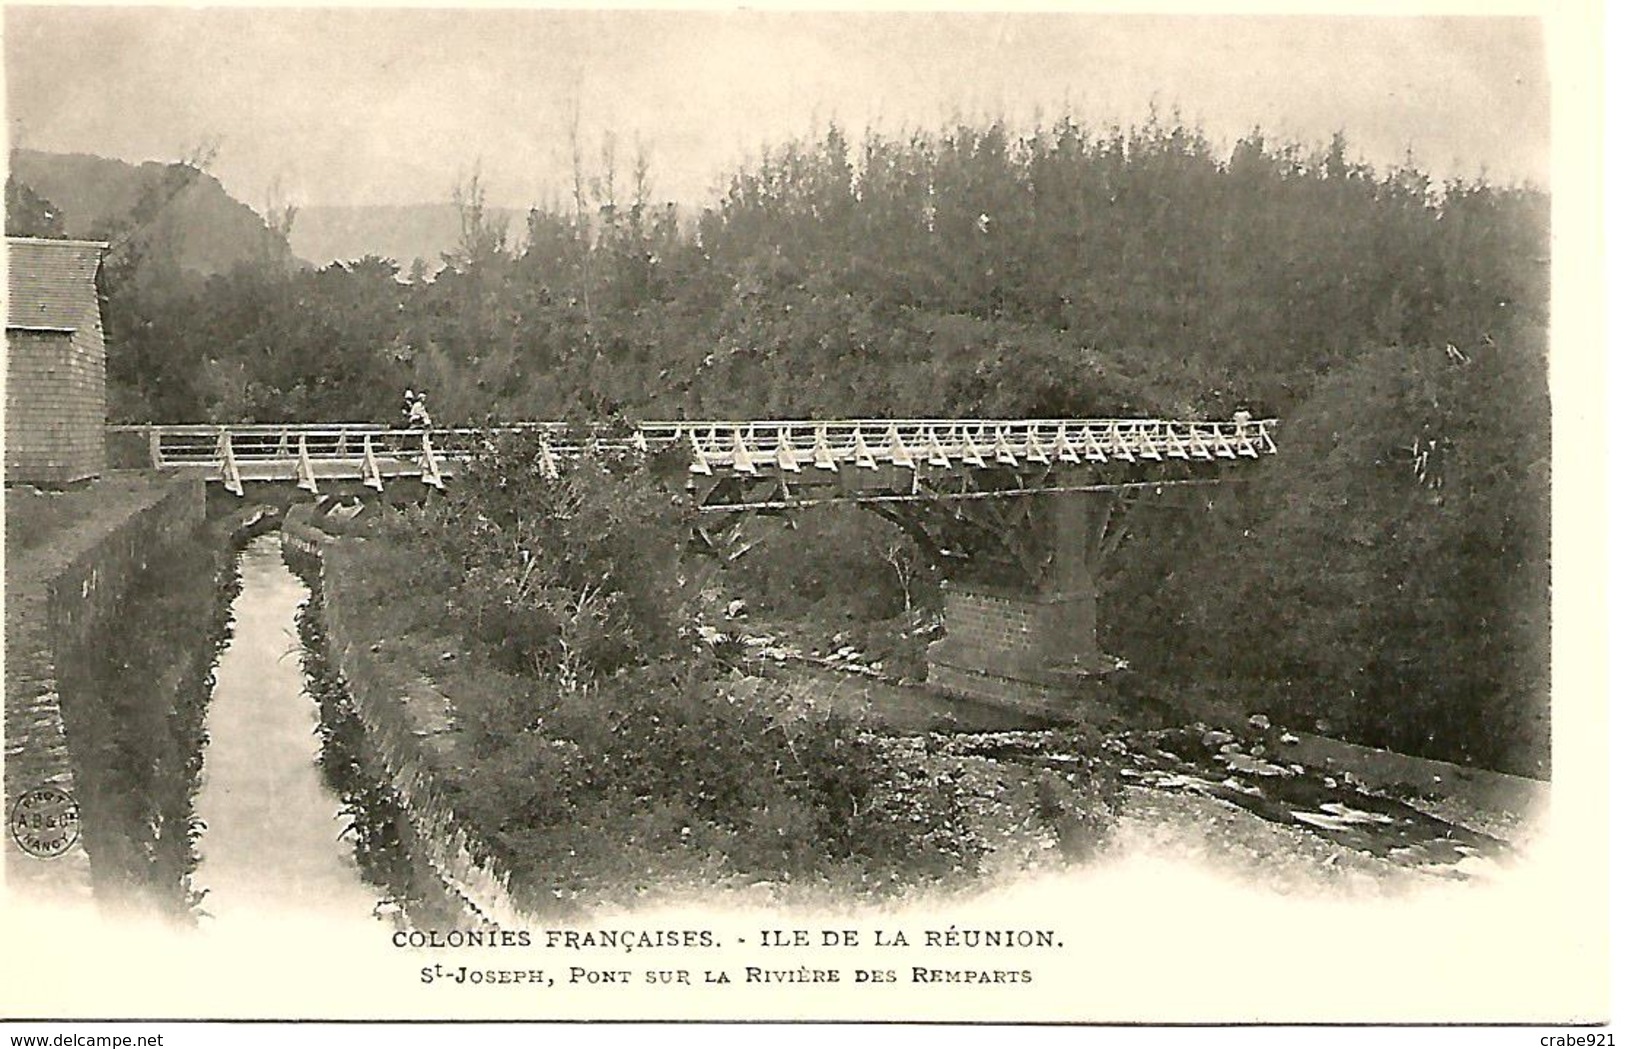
<point x="56" y="407"/>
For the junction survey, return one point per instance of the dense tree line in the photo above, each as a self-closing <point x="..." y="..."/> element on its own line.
<point x="971" y="271"/>
<point x="1387" y="571"/>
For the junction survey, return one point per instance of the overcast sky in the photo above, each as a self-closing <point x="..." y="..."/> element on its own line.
<point x="336" y="106"/>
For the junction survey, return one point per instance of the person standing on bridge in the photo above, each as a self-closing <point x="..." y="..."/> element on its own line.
<point x="417" y="414"/>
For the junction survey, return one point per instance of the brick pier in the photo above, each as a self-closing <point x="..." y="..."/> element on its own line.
<point x="1031" y="646"/>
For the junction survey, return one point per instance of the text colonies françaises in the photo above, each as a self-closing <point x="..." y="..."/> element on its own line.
<point x="781" y="967"/>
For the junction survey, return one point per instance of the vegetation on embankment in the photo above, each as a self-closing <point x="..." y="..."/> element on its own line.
<point x="1386" y="574"/>
<point x="600" y="751"/>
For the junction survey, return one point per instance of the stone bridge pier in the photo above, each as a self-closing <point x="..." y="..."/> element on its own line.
<point x="1022" y="629"/>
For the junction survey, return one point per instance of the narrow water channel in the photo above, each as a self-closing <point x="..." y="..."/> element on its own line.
<point x="274" y="843"/>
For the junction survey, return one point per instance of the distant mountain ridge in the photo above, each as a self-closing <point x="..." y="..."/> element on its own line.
<point x="326" y="233"/>
<point x="203" y="228"/>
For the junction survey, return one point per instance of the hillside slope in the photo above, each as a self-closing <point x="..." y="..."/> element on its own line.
<point x="203" y="228"/>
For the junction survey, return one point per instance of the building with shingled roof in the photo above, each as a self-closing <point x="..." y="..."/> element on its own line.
<point x="56" y="362"/>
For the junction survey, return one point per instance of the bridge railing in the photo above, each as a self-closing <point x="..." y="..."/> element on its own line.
<point x="200" y="443"/>
<point x="301" y="452"/>
<point x="914" y="443"/>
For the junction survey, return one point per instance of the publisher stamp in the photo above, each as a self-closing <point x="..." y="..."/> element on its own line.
<point x="45" y="822"/>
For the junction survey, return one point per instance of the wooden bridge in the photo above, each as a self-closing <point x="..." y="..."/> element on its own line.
<point x="738" y="465"/>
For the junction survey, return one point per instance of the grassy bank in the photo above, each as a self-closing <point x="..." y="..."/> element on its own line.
<point x="44" y="526"/>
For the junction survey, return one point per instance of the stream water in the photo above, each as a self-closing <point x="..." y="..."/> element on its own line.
<point x="274" y="838"/>
<point x="1254" y="771"/>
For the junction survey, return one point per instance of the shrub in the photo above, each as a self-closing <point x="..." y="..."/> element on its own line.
<point x="578" y="575"/>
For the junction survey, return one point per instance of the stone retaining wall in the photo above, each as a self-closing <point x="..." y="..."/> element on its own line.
<point x="55" y="603"/>
<point x="1028" y="697"/>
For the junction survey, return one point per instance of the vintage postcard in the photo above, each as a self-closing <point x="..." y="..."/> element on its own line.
<point x="1041" y="516"/>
